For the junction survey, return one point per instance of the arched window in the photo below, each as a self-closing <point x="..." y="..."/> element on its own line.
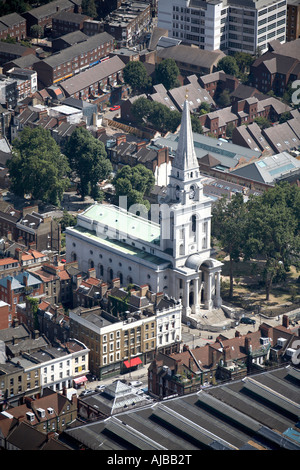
<point x="194" y="220"/>
<point x="110" y="274"/>
<point x="101" y="269"/>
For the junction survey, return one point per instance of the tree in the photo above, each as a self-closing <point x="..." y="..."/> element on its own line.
<point x="36" y="31"/>
<point x="87" y="158"/>
<point x="141" y="109"/>
<point x="223" y="99"/>
<point x="160" y="116"/>
<point x="273" y="231"/>
<point x="133" y="182"/>
<point x="229" y="130"/>
<point x="262" y="122"/>
<point x="89" y="8"/>
<point x="167" y="73"/>
<point x="228" y="65"/>
<point x="67" y="220"/>
<point x="196" y="125"/>
<point x="135" y="75"/>
<point x="204" y="108"/>
<point x="33" y="304"/>
<point x="228" y="227"/>
<point x="38" y="167"/>
<point x="285" y="117"/>
<point x="243" y="61"/>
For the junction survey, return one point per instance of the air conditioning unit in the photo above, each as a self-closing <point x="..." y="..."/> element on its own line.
<point x="290" y="351"/>
<point x="281" y="342"/>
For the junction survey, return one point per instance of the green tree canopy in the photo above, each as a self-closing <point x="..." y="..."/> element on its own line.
<point x="38" y="167"/>
<point x="67" y="220"/>
<point x="133" y="182"/>
<point x="167" y="73"/>
<point x="228" y="227"/>
<point x="262" y="122"/>
<point x="36" y="31"/>
<point x="223" y="99"/>
<point x="243" y="61"/>
<point x="135" y="75"/>
<point x="285" y="117"/>
<point x="87" y="158"/>
<point x="89" y="8"/>
<point x="160" y="116"/>
<point x="273" y="231"/>
<point x="229" y="65"/>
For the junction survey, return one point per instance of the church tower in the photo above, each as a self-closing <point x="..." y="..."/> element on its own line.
<point x="185" y="211"/>
<point x="185" y="228"/>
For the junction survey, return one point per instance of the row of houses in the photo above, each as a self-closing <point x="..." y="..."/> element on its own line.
<point x="122" y="328"/>
<point x="30" y="364"/>
<point x="57" y="18"/>
<point x="30" y="228"/>
<point x="284" y="137"/>
<point x="227" y="359"/>
<point x="242" y="112"/>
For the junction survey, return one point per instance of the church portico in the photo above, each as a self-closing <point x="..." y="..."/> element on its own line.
<point x="200" y="287"/>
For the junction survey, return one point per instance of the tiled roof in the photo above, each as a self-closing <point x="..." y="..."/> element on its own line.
<point x="92" y="75"/>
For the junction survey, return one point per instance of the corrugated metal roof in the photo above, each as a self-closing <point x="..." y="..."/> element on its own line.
<point x="189" y="428"/>
<point x="131" y="435"/>
<point x="228" y="411"/>
<point x="286" y="405"/>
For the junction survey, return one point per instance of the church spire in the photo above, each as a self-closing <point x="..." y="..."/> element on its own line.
<point x="185" y="158"/>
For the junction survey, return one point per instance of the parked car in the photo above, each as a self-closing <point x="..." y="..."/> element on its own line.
<point x="115" y="108"/>
<point x="100" y="388"/>
<point x="135" y="383"/>
<point x="85" y="393"/>
<point x="248" y="321"/>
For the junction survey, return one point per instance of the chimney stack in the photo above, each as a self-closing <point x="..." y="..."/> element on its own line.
<point x="92" y="273"/>
<point x="285" y="321"/>
<point x="248" y="345"/>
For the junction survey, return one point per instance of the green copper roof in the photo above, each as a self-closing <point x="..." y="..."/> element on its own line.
<point x="117" y="245"/>
<point x="121" y="220"/>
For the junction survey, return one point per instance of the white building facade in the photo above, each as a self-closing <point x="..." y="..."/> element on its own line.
<point x="168" y="250"/>
<point x="228" y="25"/>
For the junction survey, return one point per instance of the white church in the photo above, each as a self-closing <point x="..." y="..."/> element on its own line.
<point x="167" y="249"/>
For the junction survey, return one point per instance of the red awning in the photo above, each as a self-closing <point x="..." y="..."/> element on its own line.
<point x="133" y="362"/>
<point x="80" y="380"/>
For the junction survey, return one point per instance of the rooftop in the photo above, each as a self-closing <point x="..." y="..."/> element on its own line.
<point x="226" y="153"/>
<point x="230" y="416"/>
<point x="120" y="220"/>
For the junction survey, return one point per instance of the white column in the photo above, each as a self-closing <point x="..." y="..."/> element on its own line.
<point x="196" y="295"/>
<point x="208" y="302"/>
<point x="186" y="305"/>
<point x="218" y="300"/>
